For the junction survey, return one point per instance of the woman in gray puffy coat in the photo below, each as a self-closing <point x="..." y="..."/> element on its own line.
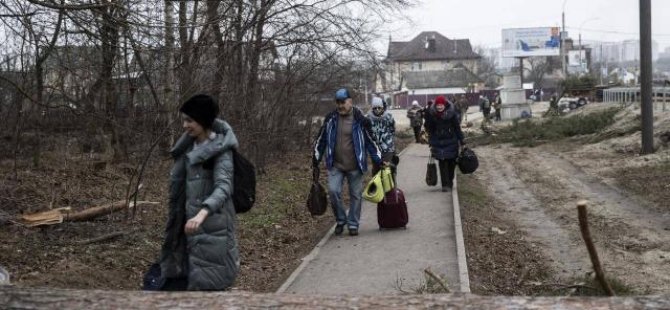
<point x="200" y="250"/>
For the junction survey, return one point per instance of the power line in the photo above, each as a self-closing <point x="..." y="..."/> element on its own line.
<point x="617" y="32"/>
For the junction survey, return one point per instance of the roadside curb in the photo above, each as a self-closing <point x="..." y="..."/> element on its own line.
<point x="305" y="261"/>
<point x="463" y="276"/>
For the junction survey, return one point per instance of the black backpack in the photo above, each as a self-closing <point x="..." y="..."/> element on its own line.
<point x="244" y="181"/>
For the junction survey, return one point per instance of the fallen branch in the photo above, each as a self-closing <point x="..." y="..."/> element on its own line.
<point x="95" y="212"/>
<point x="59" y="215"/>
<point x="50" y="217"/>
<point x="437" y="279"/>
<point x="104" y="237"/>
<point x="584" y="227"/>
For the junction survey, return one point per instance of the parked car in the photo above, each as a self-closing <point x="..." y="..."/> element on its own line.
<point x="571" y="103"/>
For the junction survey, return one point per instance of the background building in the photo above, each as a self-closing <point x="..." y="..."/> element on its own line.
<point x="618" y="52"/>
<point x="429" y="51"/>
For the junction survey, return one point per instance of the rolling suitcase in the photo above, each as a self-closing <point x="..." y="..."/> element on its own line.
<point x="392" y="211"/>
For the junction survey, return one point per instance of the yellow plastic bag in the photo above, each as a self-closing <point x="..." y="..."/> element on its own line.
<point x="374" y="191"/>
<point x="381" y="183"/>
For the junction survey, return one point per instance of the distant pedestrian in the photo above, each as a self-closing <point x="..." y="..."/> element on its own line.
<point x="415" y="116"/>
<point x="343" y="139"/>
<point x="383" y="130"/>
<point x="485" y="107"/>
<point x="462" y="106"/>
<point x="446" y="139"/>
<point x="553" y="109"/>
<point x="497" y="105"/>
<point x="200" y="250"/>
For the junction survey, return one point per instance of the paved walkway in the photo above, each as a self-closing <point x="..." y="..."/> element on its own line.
<point x="376" y="261"/>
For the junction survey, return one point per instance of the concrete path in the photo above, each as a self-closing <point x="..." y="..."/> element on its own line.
<point x="377" y="261"/>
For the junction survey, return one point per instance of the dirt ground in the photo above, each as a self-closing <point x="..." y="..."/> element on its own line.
<point x="528" y="215"/>
<point x="274" y="236"/>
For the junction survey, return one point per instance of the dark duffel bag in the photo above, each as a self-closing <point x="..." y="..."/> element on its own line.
<point x="467" y="161"/>
<point x="431" y="172"/>
<point x="317" y="202"/>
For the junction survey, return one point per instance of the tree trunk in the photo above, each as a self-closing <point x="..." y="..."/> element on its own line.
<point x="169" y="104"/>
<point x="91" y="213"/>
<point x="109" y="37"/>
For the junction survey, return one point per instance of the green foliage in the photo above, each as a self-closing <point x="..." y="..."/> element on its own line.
<point x="284" y="193"/>
<point x="532" y="133"/>
<point x="573" y="83"/>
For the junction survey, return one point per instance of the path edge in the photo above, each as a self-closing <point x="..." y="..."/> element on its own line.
<point x="463" y="276"/>
<point x="305" y="261"/>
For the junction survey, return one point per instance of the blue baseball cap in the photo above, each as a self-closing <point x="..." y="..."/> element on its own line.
<point x="342" y="94"/>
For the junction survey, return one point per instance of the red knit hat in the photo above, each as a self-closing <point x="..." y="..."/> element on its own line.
<point x="440" y="100"/>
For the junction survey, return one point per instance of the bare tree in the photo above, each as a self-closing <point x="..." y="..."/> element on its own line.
<point x="537" y="68"/>
<point x="267" y="61"/>
<point x="486" y="70"/>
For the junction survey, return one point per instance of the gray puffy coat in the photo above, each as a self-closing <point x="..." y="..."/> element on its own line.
<point x="202" y="178"/>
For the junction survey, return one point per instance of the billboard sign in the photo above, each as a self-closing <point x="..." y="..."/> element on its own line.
<point x="527" y="42"/>
<point x="577" y="58"/>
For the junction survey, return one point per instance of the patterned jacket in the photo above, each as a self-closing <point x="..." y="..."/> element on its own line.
<point x="383" y="129"/>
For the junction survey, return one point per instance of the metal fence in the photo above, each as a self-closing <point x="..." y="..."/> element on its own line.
<point x="631" y="95"/>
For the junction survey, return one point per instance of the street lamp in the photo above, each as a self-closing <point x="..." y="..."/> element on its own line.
<point x="580" y="37"/>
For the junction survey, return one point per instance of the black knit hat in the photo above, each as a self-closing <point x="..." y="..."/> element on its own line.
<point x="202" y="109"/>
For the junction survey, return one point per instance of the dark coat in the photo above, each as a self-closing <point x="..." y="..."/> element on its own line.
<point x="445" y="133"/>
<point x="202" y="178"/>
<point x="415" y="115"/>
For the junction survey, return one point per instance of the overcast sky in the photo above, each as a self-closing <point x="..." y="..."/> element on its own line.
<point x="481" y="21"/>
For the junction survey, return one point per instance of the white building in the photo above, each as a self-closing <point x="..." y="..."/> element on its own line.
<point x="616" y="52"/>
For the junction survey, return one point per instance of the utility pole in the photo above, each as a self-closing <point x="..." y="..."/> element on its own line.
<point x="580" y="47"/>
<point x="646" y="78"/>
<point x="563" y="52"/>
<point x="602" y="61"/>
